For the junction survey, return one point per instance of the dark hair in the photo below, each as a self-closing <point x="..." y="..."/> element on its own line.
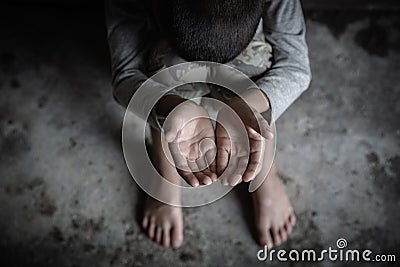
<point x="209" y="30"/>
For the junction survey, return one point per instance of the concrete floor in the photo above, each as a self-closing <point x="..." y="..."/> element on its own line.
<point x="67" y="199"/>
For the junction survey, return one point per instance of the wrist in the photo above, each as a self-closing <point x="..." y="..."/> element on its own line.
<point x="256" y="99"/>
<point x="167" y="103"/>
<point x="253" y="99"/>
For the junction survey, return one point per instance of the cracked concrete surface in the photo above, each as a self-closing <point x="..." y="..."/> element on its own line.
<point x="67" y="199"/>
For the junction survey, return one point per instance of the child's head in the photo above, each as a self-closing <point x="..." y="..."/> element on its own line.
<point x="209" y="30"/>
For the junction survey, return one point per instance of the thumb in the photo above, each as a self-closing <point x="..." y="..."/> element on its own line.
<point x="170" y="135"/>
<point x="264" y="127"/>
<point x="266" y="133"/>
<point x="171" y="130"/>
<point x="172" y="125"/>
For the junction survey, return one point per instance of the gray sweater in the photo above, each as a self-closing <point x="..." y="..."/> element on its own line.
<point x="131" y="33"/>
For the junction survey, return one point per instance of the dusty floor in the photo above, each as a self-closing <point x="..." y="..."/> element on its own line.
<point x="67" y="199"/>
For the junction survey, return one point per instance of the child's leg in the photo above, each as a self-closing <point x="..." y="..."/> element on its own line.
<point x="163" y="222"/>
<point x="274" y="215"/>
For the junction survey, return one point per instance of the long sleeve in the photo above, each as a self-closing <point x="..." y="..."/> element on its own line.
<point x="130" y="33"/>
<point x="290" y="74"/>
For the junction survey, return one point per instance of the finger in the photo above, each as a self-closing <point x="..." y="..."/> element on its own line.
<point x="203" y="167"/>
<point x="233" y="173"/>
<point x="211" y="160"/>
<point x="228" y="171"/>
<point x="257" y="145"/>
<point x="239" y="171"/>
<point x="265" y="128"/>
<point x="253" y="134"/>
<point x="257" y="148"/>
<point x="192" y="165"/>
<point x="223" y="154"/>
<point x="212" y="175"/>
<point x="200" y="176"/>
<point x="254" y="166"/>
<point x="189" y="177"/>
<point x="203" y="178"/>
<point x="201" y="163"/>
<point x="223" y="148"/>
<point x="222" y="160"/>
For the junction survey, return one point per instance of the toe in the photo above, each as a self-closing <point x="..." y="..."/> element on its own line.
<point x="177" y="237"/>
<point x="276" y="236"/>
<point x="266" y="239"/>
<point x="288" y="227"/>
<point x="151" y="230"/>
<point x="145" y="222"/>
<point x="166" y="237"/>
<point x="158" y="235"/>
<point x="283" y="233"/>
<point x="292" y="219"/>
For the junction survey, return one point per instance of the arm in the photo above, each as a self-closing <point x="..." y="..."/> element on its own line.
<point x="130" y="34"/>
<point x="289" y="75"/>
<point x="127" y="38"/>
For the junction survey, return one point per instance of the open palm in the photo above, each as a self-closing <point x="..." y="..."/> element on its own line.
<point x="241" y="133"/>
<point x="191" y="139"/>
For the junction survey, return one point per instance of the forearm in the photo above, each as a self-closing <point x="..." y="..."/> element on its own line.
<point x="256" y="99"/>
<point x="283" y="88"/>
<point x="289" y="75"/>
<point x="129" y="39"/>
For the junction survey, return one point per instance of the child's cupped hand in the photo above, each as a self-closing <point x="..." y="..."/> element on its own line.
<point x="241" y="133"/>
<point x="234" y="150"/>
<point x="191" y="140"/>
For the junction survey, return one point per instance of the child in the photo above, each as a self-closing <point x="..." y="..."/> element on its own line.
<point x="265" y="39"/>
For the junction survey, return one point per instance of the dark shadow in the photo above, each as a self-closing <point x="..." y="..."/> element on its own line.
<point x="71" y="42"/>
<point x="246" y="205"/>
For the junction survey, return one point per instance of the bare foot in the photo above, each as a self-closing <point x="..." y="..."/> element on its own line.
<point x="274" y="215"/>
<point x="162" y="222"/>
